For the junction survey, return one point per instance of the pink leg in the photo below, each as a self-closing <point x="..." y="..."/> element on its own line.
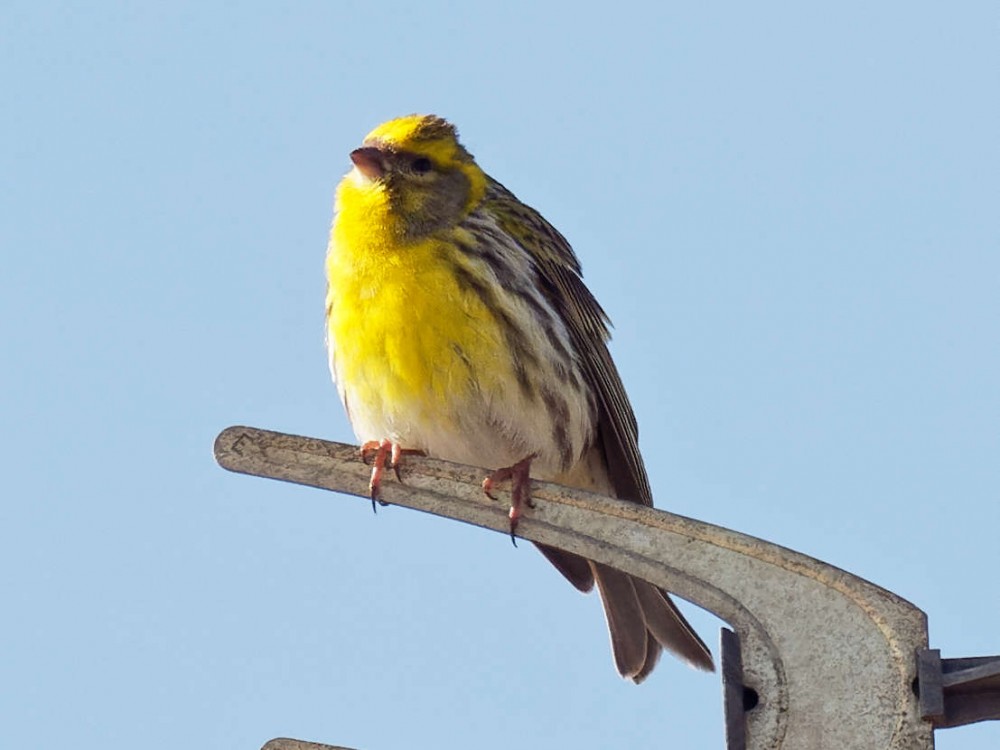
<point x="384" y="450"/>
<point x="520" y="489"/>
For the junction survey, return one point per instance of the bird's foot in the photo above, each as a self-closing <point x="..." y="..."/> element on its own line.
<point x="384" y="453"/>
<point x="520" y="489"/>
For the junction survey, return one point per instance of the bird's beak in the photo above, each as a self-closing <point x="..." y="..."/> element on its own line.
<point x="369" y="162"/>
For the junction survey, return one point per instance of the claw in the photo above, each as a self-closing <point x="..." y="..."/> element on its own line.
<point x="520" y="489"/>
<point x="397" y="452"/>
<point x="488" y="483"/>
<point x="383" y="451"/>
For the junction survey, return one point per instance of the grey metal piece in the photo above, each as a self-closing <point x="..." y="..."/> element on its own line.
<point x="955" y="692"/>
<point x="737" y="698"/>
<point x="283" y="743"/>
<point x="831" y="658"/>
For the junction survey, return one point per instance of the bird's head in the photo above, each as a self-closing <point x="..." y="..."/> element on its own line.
<point x="415" y="173"/>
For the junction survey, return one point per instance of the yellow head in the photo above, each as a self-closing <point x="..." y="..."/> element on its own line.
<point x="411" y="177"/>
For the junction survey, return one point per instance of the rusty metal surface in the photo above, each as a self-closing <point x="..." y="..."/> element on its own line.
<point x="832" y="657"/>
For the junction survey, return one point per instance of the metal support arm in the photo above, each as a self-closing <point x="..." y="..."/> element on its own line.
<point x="825" y="659"/>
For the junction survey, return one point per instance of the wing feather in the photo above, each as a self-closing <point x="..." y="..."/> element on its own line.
<point x="559" y="275"/>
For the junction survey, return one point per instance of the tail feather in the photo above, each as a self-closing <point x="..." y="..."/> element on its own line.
<point x="626" y="622"/>
<point x="653" y="651"/>
<point x="642" y="619"/>
<point x="574" y="568"/>
<point x="668" y="626"/>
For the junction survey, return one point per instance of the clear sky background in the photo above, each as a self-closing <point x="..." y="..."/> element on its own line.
<point x="790" y="213"/>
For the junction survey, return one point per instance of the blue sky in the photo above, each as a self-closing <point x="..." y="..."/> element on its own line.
<point x="789" y="212"/>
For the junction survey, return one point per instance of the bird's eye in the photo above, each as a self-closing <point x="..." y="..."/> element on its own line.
<point x="421" y="165"/>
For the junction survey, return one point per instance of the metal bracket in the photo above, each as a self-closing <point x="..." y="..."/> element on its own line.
<point x="954" y="692"/>
<point x="820" y="658"/>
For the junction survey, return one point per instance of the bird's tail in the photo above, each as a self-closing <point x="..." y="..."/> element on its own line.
<point x="642" y="619"/>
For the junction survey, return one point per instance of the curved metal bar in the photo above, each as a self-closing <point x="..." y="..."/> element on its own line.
<point x="831" y="657"/>
<point x="284" y="743"/>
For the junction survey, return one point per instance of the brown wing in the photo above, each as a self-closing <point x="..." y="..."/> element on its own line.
<point x="559" y="273"/>
<point x="641" y="617"/>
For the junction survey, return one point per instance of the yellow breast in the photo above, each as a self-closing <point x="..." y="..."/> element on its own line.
<point x="408" y="341"/>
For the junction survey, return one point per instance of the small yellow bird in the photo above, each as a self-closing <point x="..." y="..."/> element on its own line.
<point x="458" y="326"/>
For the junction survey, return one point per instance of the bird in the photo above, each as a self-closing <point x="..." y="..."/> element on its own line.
<point x="458" y="326"/>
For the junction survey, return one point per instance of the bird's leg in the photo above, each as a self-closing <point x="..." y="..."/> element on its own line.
<point x="384" y="450"/>
<point x="520" y="489"/>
